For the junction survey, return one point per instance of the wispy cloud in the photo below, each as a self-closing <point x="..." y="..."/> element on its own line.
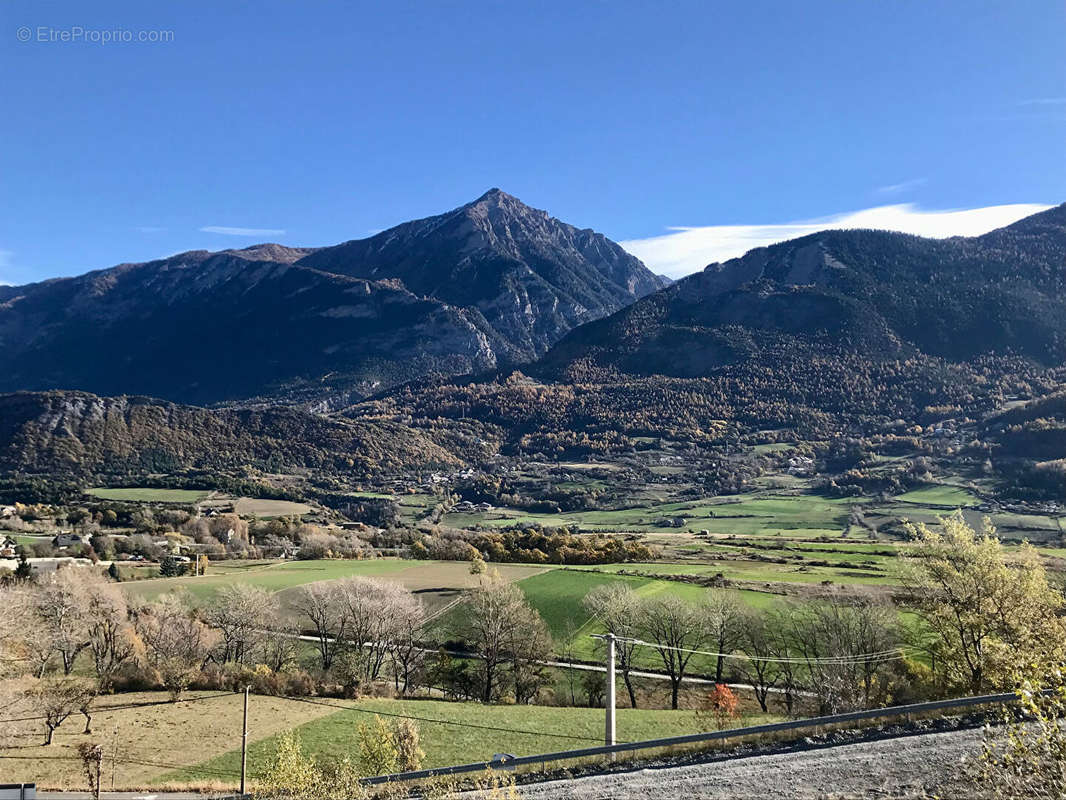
<point x="1044" y="101"/>
<point x="902" y="186"/>
<point x="686" y="250"/>
<point x="228" y="231"/>
<point x="150" y="229"/>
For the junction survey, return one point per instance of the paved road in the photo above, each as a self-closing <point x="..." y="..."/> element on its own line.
<point x="910" y="766"/>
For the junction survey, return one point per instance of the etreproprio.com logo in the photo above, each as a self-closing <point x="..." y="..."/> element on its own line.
<point x="73" y="34"/>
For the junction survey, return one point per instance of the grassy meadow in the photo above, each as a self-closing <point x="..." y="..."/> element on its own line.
<point x="446" y="739"/>
<point x="148" y="495"/>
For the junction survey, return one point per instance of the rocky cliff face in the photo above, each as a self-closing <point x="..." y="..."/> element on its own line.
<point x="491" y="282"/>
<point x="532" y="277"/>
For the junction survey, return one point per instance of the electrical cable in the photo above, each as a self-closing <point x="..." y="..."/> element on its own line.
<point x="857" y="658"/>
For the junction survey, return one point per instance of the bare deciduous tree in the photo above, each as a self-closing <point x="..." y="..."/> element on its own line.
<point x="761" y="667"/>
<point x="112" y="640"/>
<point x="675" y="627"/>
<point x="239" y="612"/>
<point x="779" y="627"/>
<point x="724" y="619"/>
<point x="499" y="612"/>
<point x="177" y="643"/>
<point x="617" y="607"/>
<point x="61" y="607"/>
<point x="324" y="606"/>
<point x="528" y="643"/>
<point x="279" y="647"/>
<point x="370" y="606"/>
<point x="408" y="657"/>
<point x="23" y="640"/>
<point x="57" y="699"/>
<point x="844" y="648"/>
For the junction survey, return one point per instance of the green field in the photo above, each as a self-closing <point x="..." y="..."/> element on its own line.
<point x="543" y="729"/>
<point x="437" y="583"/>
<point x="272" y="576"/>
<point x="557" y="595"/>
<point x="147" y="495"/>
<point x="943" y="496"/>
<point x="806" y="515"/>
<point x="268" y="509"/>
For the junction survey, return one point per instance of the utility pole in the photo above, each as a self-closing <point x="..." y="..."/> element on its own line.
<point x="608" y="737"/>
<point x="609" y="727"/>
<point x="244" y="745"/>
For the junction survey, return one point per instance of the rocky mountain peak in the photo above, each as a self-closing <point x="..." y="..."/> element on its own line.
<point x="493" y="281"/>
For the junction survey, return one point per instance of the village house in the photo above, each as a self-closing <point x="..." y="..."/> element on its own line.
<point x="67" y="540"/>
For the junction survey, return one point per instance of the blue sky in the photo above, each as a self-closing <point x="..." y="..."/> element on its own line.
<point x="318" y="122"/>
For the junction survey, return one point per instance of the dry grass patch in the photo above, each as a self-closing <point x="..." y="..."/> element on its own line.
<point x="153" y="740"/>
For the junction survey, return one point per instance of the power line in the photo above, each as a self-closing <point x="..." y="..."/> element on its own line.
<point x="497" y="729"/>
<point x="858" y="658"/>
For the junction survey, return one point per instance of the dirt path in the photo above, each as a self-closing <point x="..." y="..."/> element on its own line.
<point x="909" y="766"/>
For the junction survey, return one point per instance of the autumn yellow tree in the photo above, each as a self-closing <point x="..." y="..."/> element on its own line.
<point x="992" y="610"/>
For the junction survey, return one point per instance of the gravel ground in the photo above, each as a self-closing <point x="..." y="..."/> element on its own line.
<point x="907" y="766"/>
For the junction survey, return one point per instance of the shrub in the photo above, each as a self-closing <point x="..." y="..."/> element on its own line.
<point x="386" y="748"/>
<point x="298" y="683"/>
<point x="134" y="677"/>
<point x="722" y="704"/>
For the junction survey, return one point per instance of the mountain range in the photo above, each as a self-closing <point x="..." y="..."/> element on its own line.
<point x="876" y="294"/>
<point x="834" y="334"/>
<point x="492" y="283"/>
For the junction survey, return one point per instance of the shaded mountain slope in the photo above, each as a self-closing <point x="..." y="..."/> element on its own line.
<point x="873" y="293"/>
<point x="842" y="333"/>
<point x="494" y="281"/>
<point x="76" y="433"/>
<point x="203" y="327"/>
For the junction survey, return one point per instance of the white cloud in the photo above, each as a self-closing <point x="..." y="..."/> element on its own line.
<point x="902" y="186"/>
<point x="688" y="250"/>
<point x="227" y="231"/>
